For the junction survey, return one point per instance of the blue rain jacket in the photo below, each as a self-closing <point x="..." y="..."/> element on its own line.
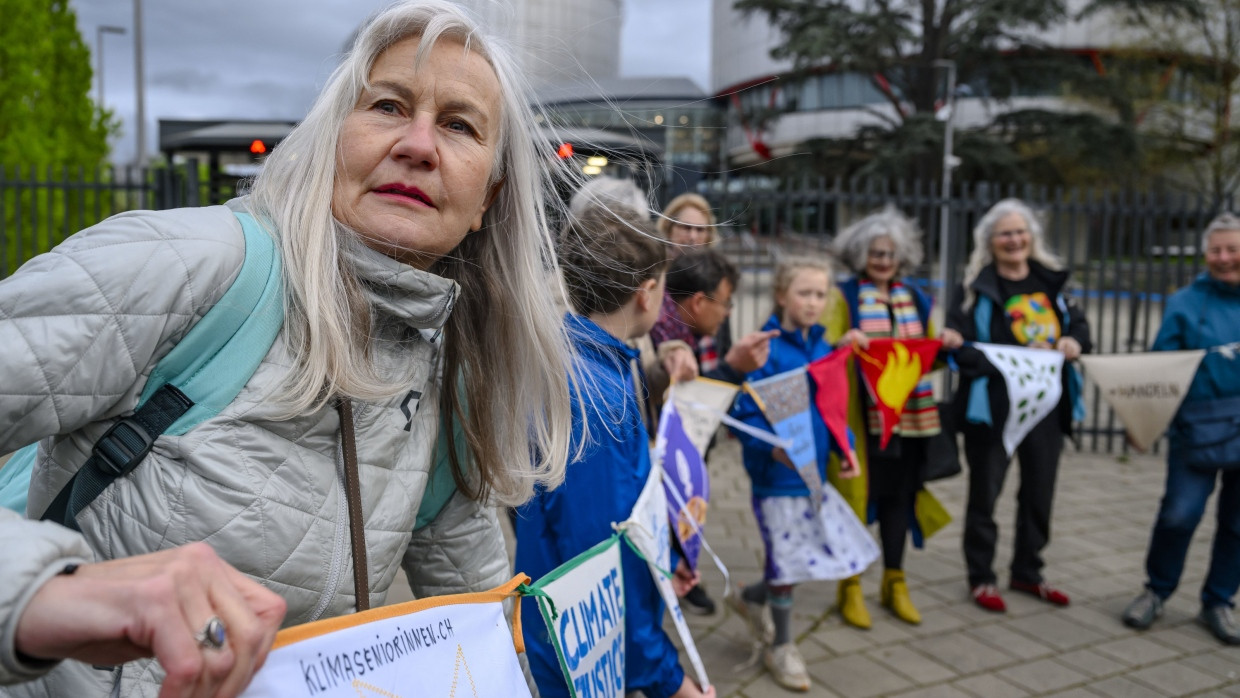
<point x="1204" y="314"/>
<point x="599" y="488"/>
<point x="768" y="477"/>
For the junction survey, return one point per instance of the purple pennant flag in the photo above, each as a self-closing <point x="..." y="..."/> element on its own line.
<point x="685" y="482"/>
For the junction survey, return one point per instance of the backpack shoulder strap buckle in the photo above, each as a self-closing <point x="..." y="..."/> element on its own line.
<point x="122" y="447"/>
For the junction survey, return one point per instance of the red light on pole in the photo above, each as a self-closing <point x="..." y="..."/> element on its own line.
<point x="258" y="147"/>
<point x="565" y="151"/>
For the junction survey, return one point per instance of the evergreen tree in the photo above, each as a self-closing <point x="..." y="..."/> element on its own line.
<point x="994" y="46"/>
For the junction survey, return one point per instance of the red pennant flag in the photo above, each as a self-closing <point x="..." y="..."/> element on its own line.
<point x="891" y="369"/>
<point x="830" y="373"/>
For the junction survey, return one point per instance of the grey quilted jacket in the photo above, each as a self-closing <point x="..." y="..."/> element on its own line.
<point x="81" y="329"/>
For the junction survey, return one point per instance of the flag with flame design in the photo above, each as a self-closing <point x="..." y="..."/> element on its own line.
<point x="891" y="369"/>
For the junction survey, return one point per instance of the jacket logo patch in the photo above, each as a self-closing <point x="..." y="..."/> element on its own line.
<point x="414" y="397"/>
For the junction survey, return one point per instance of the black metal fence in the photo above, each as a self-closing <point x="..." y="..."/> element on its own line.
<point x="41" y="206"/>
<point x="1127" y="250"/>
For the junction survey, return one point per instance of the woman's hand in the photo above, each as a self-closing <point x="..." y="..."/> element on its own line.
<point x="1070" y="348"/>
<point x="689" y="689"/>
<point x="680" y="365"/>
<point x="684" y="579"/>
<point x="951" y="339"/>
<point x="155" y="605"/>
<point x="855" y="337"/>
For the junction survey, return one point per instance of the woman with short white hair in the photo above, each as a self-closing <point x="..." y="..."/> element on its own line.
<point x="407" y="209"/>
<point x="1014" y="292"/>
<point x="1204" y="447"/>
<point x="878" y="302"/>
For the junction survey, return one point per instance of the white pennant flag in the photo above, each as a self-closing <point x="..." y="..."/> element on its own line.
<point x="1033" y="378"/>
<point x="650" y="531"/>
<point x="1144" y="389"/>
<point x="691" y="396"/>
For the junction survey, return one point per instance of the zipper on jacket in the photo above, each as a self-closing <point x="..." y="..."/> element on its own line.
<point x="342" y="523"/>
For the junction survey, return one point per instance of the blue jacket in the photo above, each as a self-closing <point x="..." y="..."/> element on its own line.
<point x="599" y="488"/>
<point x="1204" y="314"/>
<point x="768" y="477"/>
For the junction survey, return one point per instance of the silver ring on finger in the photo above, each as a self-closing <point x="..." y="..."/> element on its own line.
<point x="213" y="635"/>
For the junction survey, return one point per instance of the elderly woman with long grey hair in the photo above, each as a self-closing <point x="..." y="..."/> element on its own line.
<point x="1204" y="446"/>
<point x="1020" y="284"/>
<point x="877" y="302"/>
<point x="407" y="211"/>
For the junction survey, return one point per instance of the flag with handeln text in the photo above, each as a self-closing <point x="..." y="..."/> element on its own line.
<point x="830" y="374"/>
<point x="1144" y="389"/>
<point x="1033" y="378"/>
<point x="686" y="483"/>
<point x="585" y="619"/>
<point x="784" y="401"/>
<point x="891" y="370"/>
<point x="457" y="646"/>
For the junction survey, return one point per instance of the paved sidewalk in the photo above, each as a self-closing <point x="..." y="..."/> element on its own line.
<point x="1104" y="508"/>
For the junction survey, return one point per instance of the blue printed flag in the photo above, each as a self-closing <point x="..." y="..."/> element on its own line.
<point x="685" y="482"/>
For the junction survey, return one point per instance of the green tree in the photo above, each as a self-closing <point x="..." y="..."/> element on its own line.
<point x="46" y="115"/>
<point x="994" y="46"/>
<point x="1182" y="82"/>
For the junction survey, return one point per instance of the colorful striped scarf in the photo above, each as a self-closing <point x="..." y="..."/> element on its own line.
<point x="921" y="415"/>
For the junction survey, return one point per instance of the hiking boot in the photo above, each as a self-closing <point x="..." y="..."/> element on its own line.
<point x="987" y="596"/>
<point x="1042" y="590"/>
<point x="1222" y="623"/>
<point x="756" y="616"/>
<point x="851" y="603"/>
<point x="895" y="597"/>
<point x="1143" y="610"/>
<point x="786" y="666"/>
<point x="697" y="602"/>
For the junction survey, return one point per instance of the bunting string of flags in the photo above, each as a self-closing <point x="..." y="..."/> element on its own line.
<point x="461" y="645"/>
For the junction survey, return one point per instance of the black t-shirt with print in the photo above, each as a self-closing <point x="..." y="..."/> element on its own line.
<point x="1030" y="309"/>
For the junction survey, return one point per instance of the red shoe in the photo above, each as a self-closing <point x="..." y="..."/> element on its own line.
<point x="987" y="596"/>
<point x="1043" y="591"/>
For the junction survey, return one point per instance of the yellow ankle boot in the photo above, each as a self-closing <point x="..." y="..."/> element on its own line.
<point x="852" y="603"/>
<point x="895" y="597"/>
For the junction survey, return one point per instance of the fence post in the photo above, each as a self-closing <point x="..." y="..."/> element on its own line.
<point x="193" y="196"/>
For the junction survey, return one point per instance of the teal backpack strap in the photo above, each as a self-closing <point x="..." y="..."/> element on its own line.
<point x="978" y="409"/>
<point x="200" y="376"/>
<point x="15" y="478"/>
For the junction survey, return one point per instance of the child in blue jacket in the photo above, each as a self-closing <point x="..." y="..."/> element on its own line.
<point x="613" y="269"/>
<point x="795" y="538"/>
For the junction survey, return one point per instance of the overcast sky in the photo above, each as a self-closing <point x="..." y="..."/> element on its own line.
<point x="267" y="59"/>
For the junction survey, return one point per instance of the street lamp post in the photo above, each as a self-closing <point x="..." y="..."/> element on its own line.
<point x="949" y="163"/>
<point x="99" y="32"/>
<point x="139" y="84"/>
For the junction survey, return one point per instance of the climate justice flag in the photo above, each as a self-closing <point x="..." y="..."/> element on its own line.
<point x="458" y="646"/>
<point x="784" y="399"/>
<point x="1033" y="378"/>
<point x="891" y="370"/>
<point x="585" y="619"/>
<point x="649" y="531"/>
<point x="830" y="374"/>
<point x="702" y="404"/>
<point x="686" y="474"/>
<point x="1144" y="389"/>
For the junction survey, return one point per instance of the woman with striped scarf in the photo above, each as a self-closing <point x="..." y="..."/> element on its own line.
<point x="874" y="303"/>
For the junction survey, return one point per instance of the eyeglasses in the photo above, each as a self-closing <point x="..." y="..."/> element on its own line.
<point x="729" y="305"/>
<point x="1017" y="232"/>
<point x="880" y="255"/>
